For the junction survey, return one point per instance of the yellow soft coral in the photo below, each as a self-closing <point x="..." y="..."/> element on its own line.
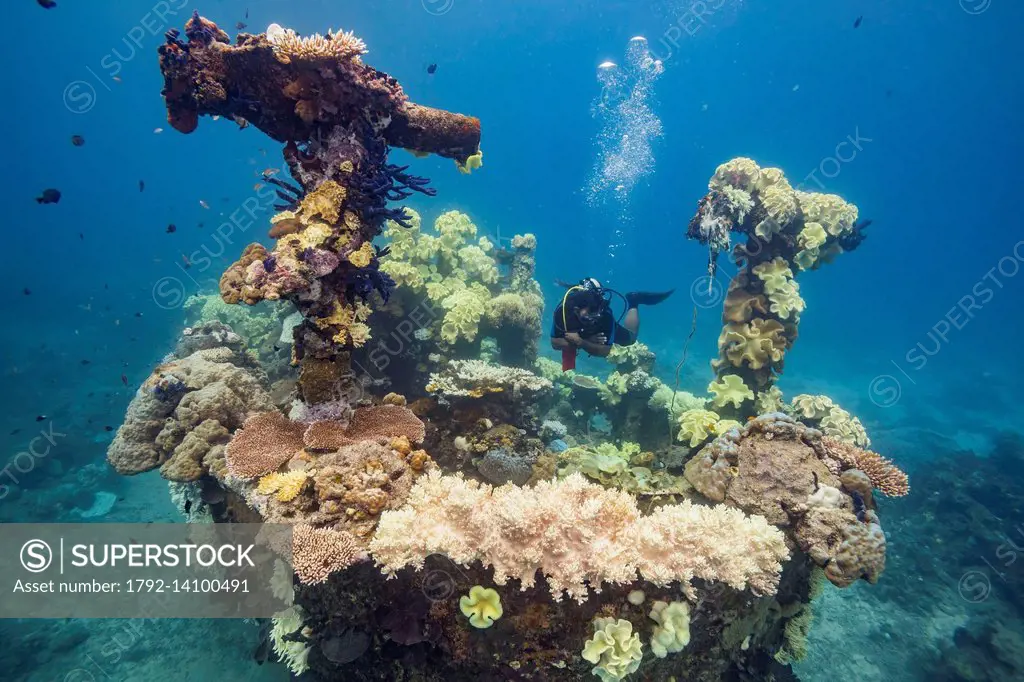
<point x="477" y="264"/>
<point x="362" y="257"/>
<point x="324" y="201"/>
<point x="615" y="650"/>
<point x="741" y="172"/>
<point x="812" y="236"/>
<point x="284" y="486"/>
<point x="774" y="273"/>
<point x="786" y="301"/>
<point x="482" y="606"/>
<point x="472" y="162"/>
<point x="464" y="310"/>
<point x="695" y="426"/>
<point x="672" y="632"/>
<point x="729" y="390"/>
<point x="780" y="203"/>
<point x="314" y="235"/>
<point x="758" y="343"/>
<point x="834" y="214"/>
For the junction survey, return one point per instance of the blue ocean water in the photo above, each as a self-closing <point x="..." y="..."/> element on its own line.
<point x="914" y="115"/>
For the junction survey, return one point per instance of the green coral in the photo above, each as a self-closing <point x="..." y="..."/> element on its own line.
<point x="663" y="396"/>
<point x="633" y="356"/>
<point x="696" y="426"/>
<point x="615" y="650"/>
<point x="786" y="301"/>
<point x="672" y="632"/>
<point x="729" y="390"/>
<point x="769" y="401"/>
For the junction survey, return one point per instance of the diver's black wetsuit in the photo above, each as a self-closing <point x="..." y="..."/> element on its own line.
<point x="604" y="323"/>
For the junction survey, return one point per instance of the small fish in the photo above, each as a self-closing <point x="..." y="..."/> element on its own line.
<point x="203" y="204"/>
<point x="246" y="12"/>
<point x="26" y="291"/>
<point x="124" y="379"/>
<point x="216" y="117"/>
<point x="201" y="225"/>
<point x="240" y="25"/>
<point x="49" y="196"/>
<point x="47" y="4"/>
<point x="15" y="432"/>
<point x="186" y="261"/>
<point x="142" y="185"/>
<point x="77" y="140"/>
<point x="41" y="418"/>
<point x="862" y="224"/>
<point x="242" y="123"/>
<point x="117" y="78"/>
<point x="86" y="362"/>
<point x="158" y="130"/>
<point x="270" y="172"/>
<point x="108" y="429"/>
<point x="258" y="186"/>
<point x="138" y="314"/>
<point x="171" y="229"/>
<point x="188" y="506"/>
<point x="432" y="69"/>
<point x="856" y="24"/>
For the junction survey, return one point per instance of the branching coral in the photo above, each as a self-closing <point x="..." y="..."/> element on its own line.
<point x="475" y="379"/>
<point x="884" y="475"/>
<point x="318" y="552"/>
<point x="576" y="533"/>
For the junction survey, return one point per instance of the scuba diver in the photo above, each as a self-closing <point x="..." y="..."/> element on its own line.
<point x="584" y="320"/>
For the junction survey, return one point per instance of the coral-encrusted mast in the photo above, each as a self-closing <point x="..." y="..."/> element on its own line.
<point x="337" y="117"/>
<point x="292" y="89"/>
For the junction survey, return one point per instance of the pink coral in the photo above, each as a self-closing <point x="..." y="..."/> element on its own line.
<point x="576" y="533"/>
<point x="318" y="552"/>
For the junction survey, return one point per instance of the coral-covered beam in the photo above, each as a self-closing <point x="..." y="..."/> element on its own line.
<point x="295" y="88"/>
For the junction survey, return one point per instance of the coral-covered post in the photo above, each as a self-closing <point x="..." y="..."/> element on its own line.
<point x="337" y="117"/>
<point x="787" y="231"/>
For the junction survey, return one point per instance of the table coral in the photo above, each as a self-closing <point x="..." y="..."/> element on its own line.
<point x="475" y="379"/>
<point x="264" y="443"/>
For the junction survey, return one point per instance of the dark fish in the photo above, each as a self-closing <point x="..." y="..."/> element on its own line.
<point x="81" y="235"/>
<point x="47" y="4"/>
<point x="201" y="225"/>
<point x="246" y="12"/>
<point x="15" y="432"/>
<point x="142" y="185"/>
<point x="108" y="428"/>
<point x="240" y="25"/>
<point x="138" y="314"/>
<point x="856" y="24"/>
<point x="49" y="196"/>
<point x="26" y="291"/>
<point x="86" y="362"/>
<point x="106" y="286"/>
<point x="862" y="224"/>
<point x="77" y="140"/>
<point x="242" y="123"/>
<point x="432" y="69"/>
<point x="124" y="379"/>
<point x="188" y="506"/>
<point x="41" y="418"/>
<point x="171" y="229"/>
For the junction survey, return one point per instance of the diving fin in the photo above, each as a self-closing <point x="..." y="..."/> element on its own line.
<point x="635" y="298"/>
